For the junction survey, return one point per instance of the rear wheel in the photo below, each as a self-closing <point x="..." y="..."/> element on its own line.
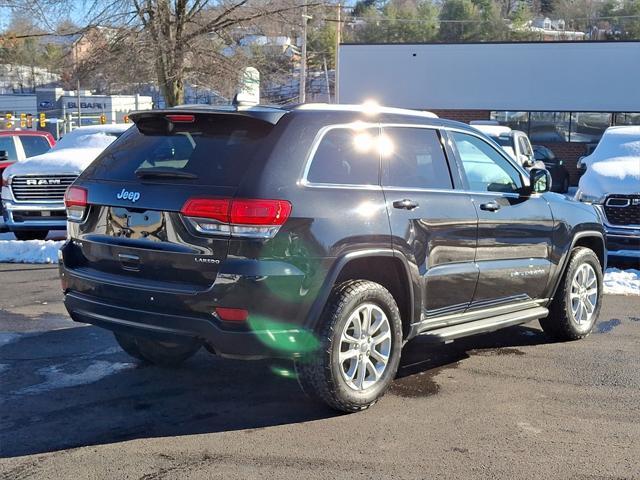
<point x="167" y="354"/>
<point x="575" y="308"/>
<point x="129" y="345"/>
<point x="361" y="339"/>
<point x="31" y="234"/>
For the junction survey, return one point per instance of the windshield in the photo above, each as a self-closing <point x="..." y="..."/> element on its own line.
<point x="87" y="139"/>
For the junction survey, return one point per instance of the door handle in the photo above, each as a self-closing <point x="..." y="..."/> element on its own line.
<point x="405" y="204"/>
<point x="491" y="206"/>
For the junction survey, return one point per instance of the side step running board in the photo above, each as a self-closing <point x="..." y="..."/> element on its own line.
<point x="448" y="334"/>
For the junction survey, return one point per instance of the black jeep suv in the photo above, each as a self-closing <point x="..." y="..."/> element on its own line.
<point x="330" y="235"/>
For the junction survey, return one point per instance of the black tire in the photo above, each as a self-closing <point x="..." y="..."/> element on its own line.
<point x="167" y="354"/>
<point x="561" y="324"/>
<point x="129" y="345"/>
<point x="31" y="234"/>
<point x="320" y="374"/>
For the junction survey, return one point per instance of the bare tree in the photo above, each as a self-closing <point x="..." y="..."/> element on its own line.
<point x="178" y="37"/>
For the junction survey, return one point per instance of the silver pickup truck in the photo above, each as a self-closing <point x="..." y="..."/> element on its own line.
<point x="33" y="189"/>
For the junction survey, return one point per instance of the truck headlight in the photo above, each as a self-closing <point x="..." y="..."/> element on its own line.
<point x="587" y="198"/>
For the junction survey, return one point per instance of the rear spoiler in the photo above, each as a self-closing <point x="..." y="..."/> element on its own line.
<point x="266" y="114"/>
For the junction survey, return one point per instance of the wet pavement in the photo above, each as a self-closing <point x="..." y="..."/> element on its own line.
<point x="510" y="404"/>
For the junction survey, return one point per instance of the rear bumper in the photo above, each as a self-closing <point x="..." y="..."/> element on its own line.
<point x="245" y="344"/>
<point x="274" y="328"/>
<point x="34" y="216"/>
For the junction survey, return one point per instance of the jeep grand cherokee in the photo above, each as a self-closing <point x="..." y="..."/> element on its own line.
<point x="330" y="235"/>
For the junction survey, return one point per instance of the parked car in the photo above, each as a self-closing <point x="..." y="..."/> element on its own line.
<point x="559" y="174"/>
<point x="330" y="235"/>
<point x="17" y="145"/>
<point x="612" y="184"/>
<point x="33" y="189"/>
<point x="514" y="142"/>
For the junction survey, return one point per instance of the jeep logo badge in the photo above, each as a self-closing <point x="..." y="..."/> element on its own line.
<point x="124" y="195"/>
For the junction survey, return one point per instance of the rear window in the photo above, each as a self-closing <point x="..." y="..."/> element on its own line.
<point x="34" y="145"/>
<point x="214" y="150"/>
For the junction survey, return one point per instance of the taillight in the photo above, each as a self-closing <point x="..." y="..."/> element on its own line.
<point x="75" y="199"/>
<point x="259" y="218"/>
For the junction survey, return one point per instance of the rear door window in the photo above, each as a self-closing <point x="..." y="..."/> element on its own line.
<point x="34" y="145"/>
<point x="347" y="156"/>
<point x="415" y="159"/>
<point x="213" y="150"/>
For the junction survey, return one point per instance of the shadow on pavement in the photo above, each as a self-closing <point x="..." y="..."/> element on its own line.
<point x="74" y="387"/>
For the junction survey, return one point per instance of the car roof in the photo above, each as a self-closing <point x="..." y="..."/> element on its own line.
<point x="114" y="127"/>
<point x="8" y="133"/>
<point x="272" y="114"/>
<point x="493" y="130"/>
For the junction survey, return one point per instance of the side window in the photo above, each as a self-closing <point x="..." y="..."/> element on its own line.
<point x="6" y="144"/>
<point x="485" y="168"/>
<point x="347" y="156"/>
<point x="34" y="145"/>
<point x="525" y="148"/>
<point x="414" y="159"/>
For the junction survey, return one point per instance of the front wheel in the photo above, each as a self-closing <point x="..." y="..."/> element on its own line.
<point x="361" y="339"/>
<point x="576" y="305"/>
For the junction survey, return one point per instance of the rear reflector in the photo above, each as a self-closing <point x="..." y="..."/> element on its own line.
<point x="259" y="218"/>
<point x="75" y="199"/>
<point x="177" y="118"/>
<point x="232" y="314"/>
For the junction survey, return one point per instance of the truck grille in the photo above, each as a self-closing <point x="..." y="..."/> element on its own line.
<point x="40" y="188"/>
<point x="623" y="209"/>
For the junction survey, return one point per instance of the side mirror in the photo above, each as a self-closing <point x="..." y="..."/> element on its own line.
<point x="526" y="161"/>
<point x="540" y="180"/>
<point x="4" y="157"/>
<point x="580" y="164"/>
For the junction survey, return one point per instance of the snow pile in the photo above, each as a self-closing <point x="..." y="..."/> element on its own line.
<point x="622" y="282"/>
<point x="30" y="251"/>
<point x="614" y="166"/>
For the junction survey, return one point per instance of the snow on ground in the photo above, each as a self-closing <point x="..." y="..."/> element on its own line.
<point x="56" y="378"/>
<point x="622" y="282"/>
<point x="30" y="251"/>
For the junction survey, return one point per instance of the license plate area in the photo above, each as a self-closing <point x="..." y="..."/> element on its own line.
<point x="136" y="224"/>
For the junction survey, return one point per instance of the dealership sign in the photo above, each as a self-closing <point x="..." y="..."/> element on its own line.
<point x="87" y="105"/>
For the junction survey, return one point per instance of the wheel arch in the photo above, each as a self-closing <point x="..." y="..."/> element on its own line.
<point x="592" y="239"/>
<point x="387" y="267"/>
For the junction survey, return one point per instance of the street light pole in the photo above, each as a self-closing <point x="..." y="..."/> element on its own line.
<point x="303" y="59"/>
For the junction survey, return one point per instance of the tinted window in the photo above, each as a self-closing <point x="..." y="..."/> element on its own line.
<point x="216" y="149"/>
<point x="627" y="119"/>
<point x="6" y="144"/>
<point x="415" y="159"/>
<point x="346" y="156"/>
<point x="34" y="145"/>
<point x="485" y="168"/>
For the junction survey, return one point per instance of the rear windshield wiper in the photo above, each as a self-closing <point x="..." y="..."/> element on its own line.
<point x="164" y="172"/>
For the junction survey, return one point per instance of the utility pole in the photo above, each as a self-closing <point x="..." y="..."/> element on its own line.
<point x="336" y="98"/>
<point x="79" y="110"/>
<point x="303" y="60"/>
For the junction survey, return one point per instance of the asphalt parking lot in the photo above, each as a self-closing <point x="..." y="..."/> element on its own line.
<point x="504" y="405"/>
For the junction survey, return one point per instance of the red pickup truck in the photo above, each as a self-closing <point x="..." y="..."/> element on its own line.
<point x="20" y="144"/>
